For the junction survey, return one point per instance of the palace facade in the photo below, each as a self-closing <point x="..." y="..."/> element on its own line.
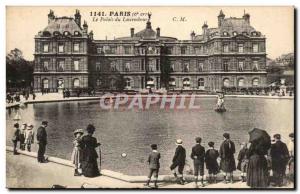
<point x="233" y="54"/>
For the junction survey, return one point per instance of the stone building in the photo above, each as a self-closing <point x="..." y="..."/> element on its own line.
<point x="233" y="54"/>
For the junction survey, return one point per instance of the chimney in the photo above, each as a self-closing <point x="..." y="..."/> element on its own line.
<point x="158" y="32"/>
<point x="221" y="18"/>
<point x="246" y="17"/>
<point x="193" y="35"/>
<point x="204" y="30"/>
<point x="91" y="35"/>
<point x="131" y="32"/>
<point x="51" y="16"/>
<point x="85" y="27"/>
<point x="78" y="18"/>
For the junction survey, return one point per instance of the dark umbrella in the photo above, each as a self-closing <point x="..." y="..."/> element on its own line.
<point x="259" y="136"/>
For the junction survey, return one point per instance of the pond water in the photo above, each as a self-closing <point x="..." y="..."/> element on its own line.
<point x="133" y="131"/>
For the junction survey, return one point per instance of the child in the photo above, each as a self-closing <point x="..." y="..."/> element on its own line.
<point x="212" y="166"/>
<point x="154" y="165"/>
<point x="179" y="161"/>
<point x="243" y="161"/>
<point x="29" y="137"/>
<point x="77" y="151"/>
<point x="198" y="154"/>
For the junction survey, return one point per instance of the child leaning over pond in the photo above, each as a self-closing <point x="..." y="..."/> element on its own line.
<point x="77" y="151"/>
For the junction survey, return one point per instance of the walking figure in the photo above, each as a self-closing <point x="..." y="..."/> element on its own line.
<point x="41" y="137"/>
<point x="16" y="137"/>
<point x="154" y="165"/>
<point x="77" y="151"/>
<point x="29" y="137"/>
<point x="198" y="154"/>
<point x="227" y="164"/>
<point x="22" y="136"/>
<point x="211" y="162"/>
<point x="279" y="157"/>
<point x="243" y="160"/>
<point x="179" y="161"/>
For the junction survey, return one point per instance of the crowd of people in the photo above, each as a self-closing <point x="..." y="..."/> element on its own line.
<point x="12" y="97"/>
<point x="258" y="160"/>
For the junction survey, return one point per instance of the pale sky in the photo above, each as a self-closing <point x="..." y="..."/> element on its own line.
<point x="276" y="23"/>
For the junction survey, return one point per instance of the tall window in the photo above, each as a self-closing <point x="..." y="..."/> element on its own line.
<point x="46" y="47"/>
<point x="201" y="83"/>
<point x="183" y="50"/>
<point x="46" y="65"/>
<point x="255" y="65"/>
<point x="241" y="82"/>
<point x="113" y="66"/>
<point x="98" y="82"/>
<point x="157" y="64"/>
<point x="61" y="47"/>
<point x="200" y="66"/>
<point x="127" y="66"/>
<point x="127" y="82"/>
<point x="98" y="66"/>
<point x="172" y="82"/>
<point x="225" y="65"/>
<point x="241" y="65"/>
<point x="76" y="47"/>
<point x="186" y="67"/>
<point x="76" y="65"/>
<point x="169" y="50"/>
<point x="45" y="83"/>
<point x="225" y="48"/>
<point x="255" y="48"/>
<point x="76" y="83"/>
<point x="61" y="65"/>
<point x="255" y="82"/>
<point x="186" y="82"/>
<point x="99" y="50"/>
<point x="143" y="64"/>
<point x="240" y="48"/>
<point x="172" y="68"/>
<point x="127" y="49"/>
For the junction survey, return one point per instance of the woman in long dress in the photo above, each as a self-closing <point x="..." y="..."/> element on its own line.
<point x="89" y="162"/>
<point x="77" y="151"/>
<point x="257" y="174"/>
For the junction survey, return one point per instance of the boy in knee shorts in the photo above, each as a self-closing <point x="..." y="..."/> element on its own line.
<point x="154" y="165"/>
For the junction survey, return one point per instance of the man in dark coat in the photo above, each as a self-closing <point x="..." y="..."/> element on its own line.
<point x="154" y="165"/>
<point x="227" y="151"/>
<point x="179" y="161"/>
<point x="198" y="154"/>
<point x="16" y="137"/>
<point x="279" y="156"/>
<point x="41" y="137"/>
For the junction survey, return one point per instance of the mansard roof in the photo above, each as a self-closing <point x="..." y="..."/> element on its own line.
<point x="63" y="24"/>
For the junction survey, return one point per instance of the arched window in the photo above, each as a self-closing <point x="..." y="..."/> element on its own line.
<point x="45" y="83"/>
<point x="234" y="33"/>
<point x="255" y="82"/>
<point x="226" y="82"/>
<point x="76" y="83"/>
<point x="201" y="82"/>
<point x="186" y="82"/>
<point x="241" y="82"/>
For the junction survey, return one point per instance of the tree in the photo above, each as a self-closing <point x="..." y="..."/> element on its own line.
<point x="19" y="72"/>
<point x="165" y="67"/>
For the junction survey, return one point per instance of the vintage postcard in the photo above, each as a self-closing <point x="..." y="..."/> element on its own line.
<point x="161" y="97"/>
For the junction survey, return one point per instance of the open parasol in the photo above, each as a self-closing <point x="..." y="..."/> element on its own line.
<point x="260" y="136"/>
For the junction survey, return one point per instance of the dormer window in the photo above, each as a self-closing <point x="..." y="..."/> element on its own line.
<point x="56" y="33"/>
<point x="234" y="33"/>
<point x="245" y="33"/>
<point x="76" y="33"/>
<point x="66" y="33"/>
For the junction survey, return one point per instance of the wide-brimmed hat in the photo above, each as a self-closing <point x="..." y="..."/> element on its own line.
<point x="78" y="131"/>
<point x="179" y="142"/>
<point x="30" y="126"/>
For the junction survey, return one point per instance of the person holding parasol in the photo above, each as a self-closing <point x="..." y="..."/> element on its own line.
<point x="258" y="175"/>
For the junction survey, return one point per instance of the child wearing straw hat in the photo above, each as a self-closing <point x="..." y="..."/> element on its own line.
<point x="77" y="151"/>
